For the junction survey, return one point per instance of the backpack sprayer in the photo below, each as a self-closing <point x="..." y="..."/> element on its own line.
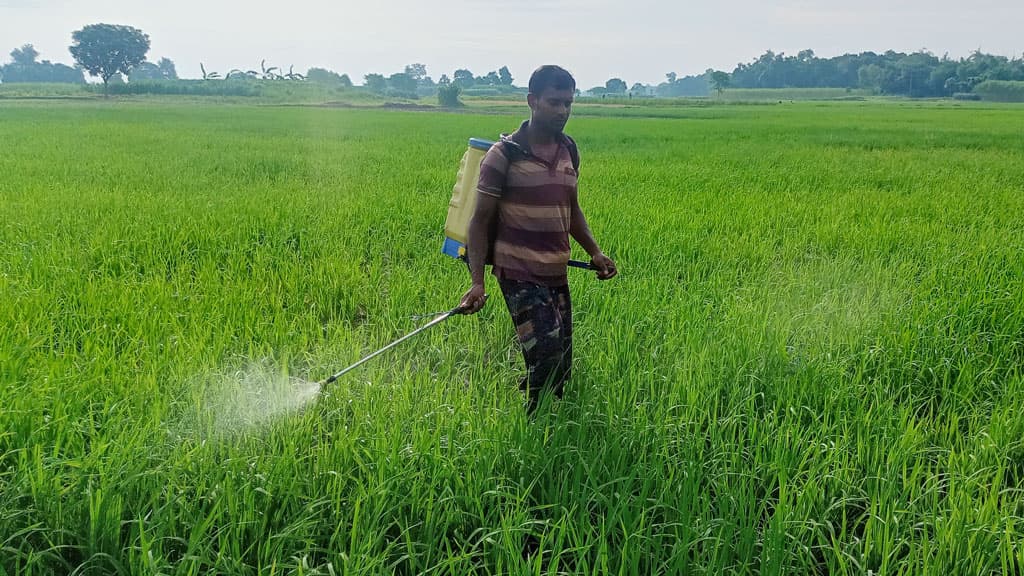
<point x="456" y="230"/>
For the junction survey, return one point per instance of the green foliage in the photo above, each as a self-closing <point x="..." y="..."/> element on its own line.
<point x="919" y="74"/>
<point x="418" y="72"/>
<point x="48" y="90"/>
<point x="232" y="87"/>
<point x="464" y="78"/>
<point x="774" y="95"/>
<point x="811" y="363"/>
<point x="24" y="56"/>
<point x="871" y="76"/>
<point x="504" y="76"/>
<point x="145" y="71"/>
<point x="107" y="49"/>
<point x="718" y="80"/>
<point x="448" y="95"/>
<point x="375" y="83"/>
<point x="213" y="75"/>
<point x="323" y="76"/>
<point x="44" y="71"/>
<point x="24" y="68"/>
<point x="328" y="77"/>
<point x="491" y="79"/>
<point x="402" y="83"/>
<point x="1000" y="91"/>
<point x="163" y="70"/>
<point x="615" y="86"/>
<point x="167" y="69"/>
<point x="685" y="86"/>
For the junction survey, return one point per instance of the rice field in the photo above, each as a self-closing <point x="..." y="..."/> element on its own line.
<point x="810" y="362"/>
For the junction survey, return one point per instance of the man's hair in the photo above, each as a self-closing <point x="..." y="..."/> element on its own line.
<point x="551" y="76"/>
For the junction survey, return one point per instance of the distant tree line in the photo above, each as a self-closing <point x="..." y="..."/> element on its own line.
<point x="672" y="87"/>
<point x="919" y="74"/>
<point x="414" y="82"/>
<point x="25" y="68"/>
<point x="114" y="53"/>
<point x="103" y="50"/>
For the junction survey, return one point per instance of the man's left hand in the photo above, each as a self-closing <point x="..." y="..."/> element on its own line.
<point x="605" y="267"/>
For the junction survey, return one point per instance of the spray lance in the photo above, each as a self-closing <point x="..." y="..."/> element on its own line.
<point x="456" y="228"/>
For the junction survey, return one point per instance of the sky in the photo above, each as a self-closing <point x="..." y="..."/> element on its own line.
<point x="635" y="40"/>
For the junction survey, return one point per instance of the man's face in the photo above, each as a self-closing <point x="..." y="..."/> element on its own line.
<point x="551" y="109"/>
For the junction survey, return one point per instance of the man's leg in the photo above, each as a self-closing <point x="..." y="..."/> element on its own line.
<point x="539" y="315"/>
<point x="563" y="305"/>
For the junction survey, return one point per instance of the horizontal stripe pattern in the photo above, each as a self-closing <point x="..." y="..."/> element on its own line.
<point x="531" y="240"/>
<point x="535" y="249"/>
<point x="492" y="172"/>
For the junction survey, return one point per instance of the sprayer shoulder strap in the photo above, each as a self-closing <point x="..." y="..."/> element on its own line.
<point x="574" y="153"/>
<point x="514" y="152"/>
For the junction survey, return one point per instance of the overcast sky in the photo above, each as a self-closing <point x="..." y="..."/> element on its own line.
<point x="636" y="40"/>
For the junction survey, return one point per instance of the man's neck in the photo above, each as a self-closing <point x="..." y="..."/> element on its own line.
<point x="537" y="137"/>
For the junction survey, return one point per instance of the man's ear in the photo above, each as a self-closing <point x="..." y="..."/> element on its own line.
<point x="531" y="101"/>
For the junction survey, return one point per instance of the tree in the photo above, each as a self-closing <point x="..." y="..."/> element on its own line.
<point x="913" y="72"/>
<point x="685" y="86"/>
<point x="25" y="68"/>
<point x="671" y="77"/>
<point x="44" y="71"/>
<point x="345" y="81"/>
<point x="448" y="95"/>
<point x="491" y="79"/>
<point x="402" y="83"/>
<point x="375" y="83"/>
<point x="145" y="71"/>
<point x="322" y="76"/>
<point x="871" y="76"/>
<point x="719" y="81"/>
<point x="212" y="75"/>
<point x="107" y="49"/>
<point x="164" y="70"/>
<point x="615" y="86"/>
<point x="167" y="68"/>
<point x="462" y="77"/>
<point x="444" y="80"/>
<point x="24" y="56"/>
<point x="504" y="76"/>
<point x="416" y="71"/>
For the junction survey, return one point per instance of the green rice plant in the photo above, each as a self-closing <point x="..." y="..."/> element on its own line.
<point x="810" y="362"/>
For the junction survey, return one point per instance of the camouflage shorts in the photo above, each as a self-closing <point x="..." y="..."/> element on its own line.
<point x="543" y="319"/>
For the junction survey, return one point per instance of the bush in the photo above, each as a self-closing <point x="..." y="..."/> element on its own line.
<point x="448" y="95"/>
<point x="966" y="96"/>
<point x="239" y="87"/>
<point x="41" y="72"/>
<point x="1001" y="91"/>
<point x="482" y="92"/>
<point x="395" y="93"/>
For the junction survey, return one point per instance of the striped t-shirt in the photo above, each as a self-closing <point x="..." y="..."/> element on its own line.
<point x="531" y="236"/>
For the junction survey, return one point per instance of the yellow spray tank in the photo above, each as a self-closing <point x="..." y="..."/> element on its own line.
<point x="463" y="202"/>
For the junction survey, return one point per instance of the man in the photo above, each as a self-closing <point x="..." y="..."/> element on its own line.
<point x="527" y="208"/>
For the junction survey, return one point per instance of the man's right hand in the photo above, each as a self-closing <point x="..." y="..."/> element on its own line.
<point x="473" y="300"/>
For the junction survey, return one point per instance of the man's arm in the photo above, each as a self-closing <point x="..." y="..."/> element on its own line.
<point x="580" y="232"/>
<point x="489" y="189"/>
<point x="478" y="242"/>
<point x="479" y="235"/>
